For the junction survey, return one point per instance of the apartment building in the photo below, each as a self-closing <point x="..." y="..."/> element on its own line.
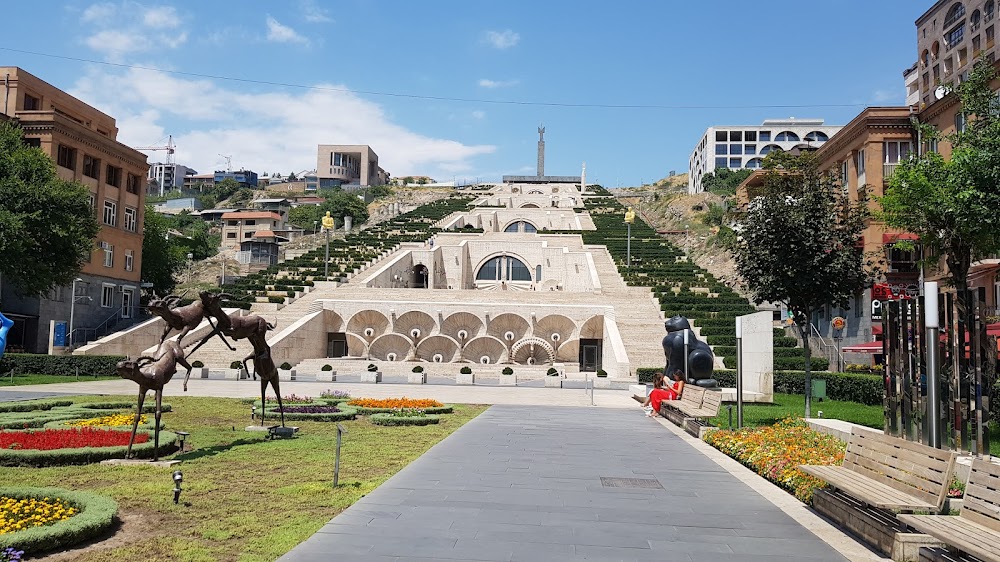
<point x="243" y="226"/>
<point x="744" y="147"/>
<point x="951" y="36"/>
<point x="168" y="176"/>
<point x="82" y="142"/>
<point x="348" y="165"/>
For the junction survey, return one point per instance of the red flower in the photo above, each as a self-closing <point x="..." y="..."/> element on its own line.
<point x="49" y="439"/>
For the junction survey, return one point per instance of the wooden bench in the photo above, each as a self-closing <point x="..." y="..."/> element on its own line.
<point x="881" y="476"/>
<point x="976" y="528"/>
<point x="690" y="401"/>
<point x="697" y="420"/>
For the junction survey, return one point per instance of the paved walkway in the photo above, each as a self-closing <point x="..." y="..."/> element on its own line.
<point x="527" y="483"/>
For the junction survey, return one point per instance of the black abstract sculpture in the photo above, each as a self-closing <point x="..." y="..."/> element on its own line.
<point x="700" y="359"/>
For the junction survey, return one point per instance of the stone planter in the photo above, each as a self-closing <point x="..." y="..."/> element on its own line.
<point x="602" y="382"/>
<point x="463" y="378"/>
<point x="371" y="377"/>
<point x="552" y="382"/>
<point x="508" y="380"/>
<point x="286" y="374"/>
<point x="326" y="376"/>
<point x="237" y="374"/>
<point x="416" y="378"/>
<point x="199" y="372"/>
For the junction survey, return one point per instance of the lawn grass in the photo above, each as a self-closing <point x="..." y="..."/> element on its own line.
<point x="793" y="405"/>
<point x="21" y="380"/>
<point x="245" y="498"/>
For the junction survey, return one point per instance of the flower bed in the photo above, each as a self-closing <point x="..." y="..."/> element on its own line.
<point x="775" y="452"/>
<point x="92" y="515"/>
<point x="54" y="447"/>
<point x="366" y="406"/>
<point x="403" y="417"/>
<point x="19" y="514"/>
<point x="113" y="420"/>
<point x="335" y="396"/>
<point x="319" y="412"/>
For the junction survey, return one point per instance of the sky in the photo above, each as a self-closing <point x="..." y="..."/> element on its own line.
<point x="456" y="90"/>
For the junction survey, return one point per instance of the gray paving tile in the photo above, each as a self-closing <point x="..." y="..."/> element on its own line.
<point x="524" y="483"/>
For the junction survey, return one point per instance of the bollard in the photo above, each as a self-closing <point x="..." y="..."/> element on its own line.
<point x="730" y="408"/>
<point x="336" y="462"/>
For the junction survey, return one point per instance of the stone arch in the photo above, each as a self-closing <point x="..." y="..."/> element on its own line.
<point x="437" y="349"/>
<point x="593" y="328"/>
<point x="532" y="351"/>
<point x="508" y="327"/>
<point x="488" y="347"/>
<point x="462" y="322"/>
<point x="414" y="324"/>
<point x="390" y="347"/>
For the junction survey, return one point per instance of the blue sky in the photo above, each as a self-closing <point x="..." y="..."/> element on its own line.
<point x="701" y="63"/>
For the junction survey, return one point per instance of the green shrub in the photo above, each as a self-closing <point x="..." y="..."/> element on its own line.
<point x="394" y="420"/>
<point x="466" y="370"/>
<point x="602" y="373"/>
<point x="326" y="367"/>
<point x="197" y="365"/>
<point x="33" y="406"/>
<point x="285" y="366"/>
<point x="372" y="368"/>
<point x="60" y="365"/>
<point x="96" y="515"/>
<point x="278" y="300"/>
<point x="85" y="455"/>
<point x="236" y="365"/>
<point x="345" y="414"/>
<point x="646" y="374"/>
<point x="418" y="369"/>
<point x="552" y="372"/>
<point x="507" y="371"/>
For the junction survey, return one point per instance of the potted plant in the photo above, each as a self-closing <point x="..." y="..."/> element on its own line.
<point x="286" y="372"/>
<point x="372" y="375"/>
<point x="602" y="379"/>
<point x="552" y="378"/>
<point x="507" y="377"/>
<point x="199" y="370"/>
<point x="236" y="371"/>
<point x="326" y="374"/>
<point x="417" y="375"/>
<point x="465" y="376"/>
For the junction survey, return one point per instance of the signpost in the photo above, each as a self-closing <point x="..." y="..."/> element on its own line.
<point x="839" y="323"/>
<point x="336" y="462"/>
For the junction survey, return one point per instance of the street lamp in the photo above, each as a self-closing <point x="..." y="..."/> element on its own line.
<point x="72" y="310"/>
<point x="629" y="219"/>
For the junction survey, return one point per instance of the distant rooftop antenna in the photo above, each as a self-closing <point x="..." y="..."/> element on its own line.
<point x="229" y="163"/>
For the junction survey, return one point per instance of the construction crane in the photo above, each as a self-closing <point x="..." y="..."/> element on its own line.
<point x="170" y="147"/>
<point x="229" y="163"/>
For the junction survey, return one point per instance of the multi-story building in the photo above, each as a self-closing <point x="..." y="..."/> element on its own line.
<point x="245" y="178"/>
<point x="82" y="142"/>
<point x="197" y="181"/>
<point x="243" y="226"/>
<point x="744" y="147"/>
<point x="951" y="36"/>
<point x="169" y="176"/>
<point x="348" y="165"/>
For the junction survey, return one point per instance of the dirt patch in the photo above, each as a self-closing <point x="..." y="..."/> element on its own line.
<point x="132" y="527"/>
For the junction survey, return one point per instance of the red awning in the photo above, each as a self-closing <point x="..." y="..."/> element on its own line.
<point x="877" y="329"/>
<point x="867" y="347"/>
<point x="993" y="329"/>
<point x="897" y="236"/>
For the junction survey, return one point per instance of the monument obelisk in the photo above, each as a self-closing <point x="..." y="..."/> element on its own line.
<point x="541" y="151"/>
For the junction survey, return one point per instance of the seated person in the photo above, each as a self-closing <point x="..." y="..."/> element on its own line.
<point x="662" y="392"/>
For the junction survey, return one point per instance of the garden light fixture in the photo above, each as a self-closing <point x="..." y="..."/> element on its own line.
<point x="178" y="478"/>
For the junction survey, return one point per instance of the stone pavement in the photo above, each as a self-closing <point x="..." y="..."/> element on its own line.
<point x="527" y="483"/>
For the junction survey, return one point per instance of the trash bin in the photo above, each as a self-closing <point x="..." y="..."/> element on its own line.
<point x="819" y="389"/>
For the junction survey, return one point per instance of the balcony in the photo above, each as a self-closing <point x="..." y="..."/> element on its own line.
<point x="888" y="170"/>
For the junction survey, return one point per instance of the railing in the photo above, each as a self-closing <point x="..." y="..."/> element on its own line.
<point x="888" y="170"/>
<point x="830" y="350"/>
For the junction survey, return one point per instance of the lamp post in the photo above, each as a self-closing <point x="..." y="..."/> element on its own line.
<point x="72" y="311"/>
<point x="629" y="219"/>
<point x="328" y="225"/>
<point x="931" y="323"/>
<point x="739" y="372"/>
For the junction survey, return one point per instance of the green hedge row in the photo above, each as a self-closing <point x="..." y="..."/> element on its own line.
<point x="862" y="388"/>
<point x="61" y="365"/>
<point x="391" y="420"/>
<point x="96" y="515"/>
<point x="34" y="406"/>
<point x="344" y="414"/>
<point x="85" y="455"/>
<point x="787" y="363"/>
<point x="730" y="340"/>
<point x="730" y="351"/>
<point x="446" y="409"/>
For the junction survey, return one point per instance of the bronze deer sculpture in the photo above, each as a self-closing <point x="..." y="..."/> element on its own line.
<point x="184" y="318"/>
<point x="263" y="366"/>
<point x="153" y="373"/>
<point x="253" y="328"/>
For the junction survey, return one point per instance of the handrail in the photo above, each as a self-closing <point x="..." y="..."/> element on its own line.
<point x="827" y="345"/>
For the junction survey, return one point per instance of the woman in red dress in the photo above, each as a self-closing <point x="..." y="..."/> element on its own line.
<point x="662" y="392"/>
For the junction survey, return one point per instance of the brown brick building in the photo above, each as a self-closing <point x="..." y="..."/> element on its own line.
<point x="82" y="142"/>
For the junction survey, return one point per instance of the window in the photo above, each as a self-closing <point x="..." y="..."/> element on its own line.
<point x="520" y="226"/>
<point x="769" y="148"/>
<point x="974" y="20"/>
<point x="107" y="295"/>
<point x="859" y="164"/>
<point x="932" y="145"/>
<point x="925" y="58"/>
<point x="817" y="136"/>
<point x="750" y="136"/>
<point x="754" y="163"/>
<point x="720" y="163"/>
<point x="955" y="13"/>
<point x="66" y="157"/>
<point x="765" y="136"/>
<point x="735" y="149"/>
<point x="721" y="136"/>
<point x="247" y="234"/>
<point x="735" y="163"/>
<point x="110" y="212"/>
<point x="504" y="268"/>
<point x="232" y="222"/>
<point x="895" y="151"/>
<point x="251" y="222"/>
<point x="786" y="136"/>
<point x="959" y="122"/>
<point x="132" y="183"/>
<point x="113" y="176"/>
<point x="988" y="11"/>
<point x="735" y="136"/>
<point x="750" y="149"/>
<point x="109" y="254"/>
<point x="844" y="181"/>
<point x="955" y="36"/>
<point x="93" y="202"/>
<point x="231" y="235"/>
<point x="31" y="103"/>
<point x="91" y="166"/>
<point x="130" y="219"/>
<point x="720" y="149"/>
<point x="129" y="260"/>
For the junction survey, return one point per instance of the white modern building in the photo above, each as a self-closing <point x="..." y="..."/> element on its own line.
<point x="169" y="176"/>
<point x="741" y="146"/>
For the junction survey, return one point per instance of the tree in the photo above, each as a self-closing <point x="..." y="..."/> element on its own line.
<point x="343" y="204"/>
<point x="724" y="181"/>
<point x="797" y="244"/>
<point x="952" y="204"/>
<point x="47" y="225"/>
<point x="159" y="260"/>
<point x="305" y="216"/>
<point x="291" y="177"/>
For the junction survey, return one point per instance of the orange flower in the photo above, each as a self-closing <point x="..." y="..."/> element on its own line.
<point x="395" y="403"/>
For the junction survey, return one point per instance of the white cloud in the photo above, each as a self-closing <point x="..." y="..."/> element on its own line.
<point x="313" y="13"/>
<point x="163" y="16"/>
<point x="263" y="131"/>
<point x="278" y="33"/>
<point x="129" y="28"/>
<point x="487" y="83"/>
<point x="478" y="114"/>
<point x="502" y="39"/>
